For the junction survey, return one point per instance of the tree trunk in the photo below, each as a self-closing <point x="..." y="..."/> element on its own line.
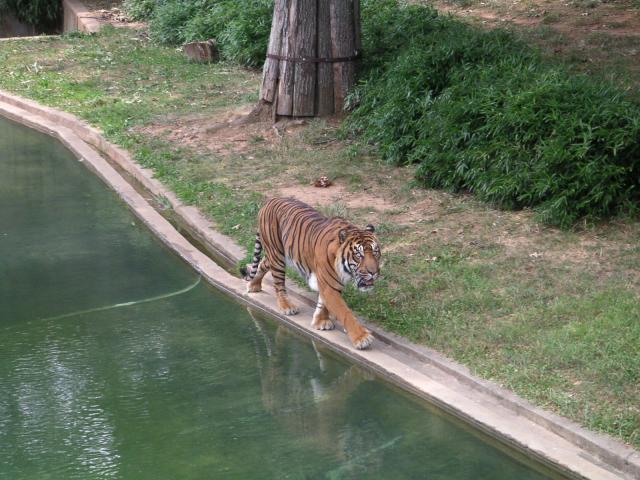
<point x="310" y="63"/>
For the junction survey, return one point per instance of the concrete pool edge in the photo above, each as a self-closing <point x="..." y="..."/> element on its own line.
<point x="547" y="437"/>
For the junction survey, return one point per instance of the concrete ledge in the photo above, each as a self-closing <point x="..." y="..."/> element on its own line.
<point x="546" y="437"/>
<point x="78" y="18"/>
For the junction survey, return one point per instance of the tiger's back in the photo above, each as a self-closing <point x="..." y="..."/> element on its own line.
<point x="303" y="234"/>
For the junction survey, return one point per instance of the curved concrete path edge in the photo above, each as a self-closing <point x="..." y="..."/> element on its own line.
<point x="548" y="438"/>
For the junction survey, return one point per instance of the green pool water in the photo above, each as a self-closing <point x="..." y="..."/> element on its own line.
<point x="116" y="361"/>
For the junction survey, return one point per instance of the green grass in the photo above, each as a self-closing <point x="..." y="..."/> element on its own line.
<point x="181" y="170"/>
<point x="556" y="338"/>
<point x="564" y="334"/>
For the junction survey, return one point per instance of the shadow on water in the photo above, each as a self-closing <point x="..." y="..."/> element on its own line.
<point x="116" y="362"/>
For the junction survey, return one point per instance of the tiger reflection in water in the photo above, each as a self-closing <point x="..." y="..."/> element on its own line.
<point x="309" y="394"/>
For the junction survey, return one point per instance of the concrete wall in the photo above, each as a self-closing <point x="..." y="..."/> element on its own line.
<point x="77" y="17"/>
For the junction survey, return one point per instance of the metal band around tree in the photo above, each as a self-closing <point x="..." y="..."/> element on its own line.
<point x="351" y="58"/>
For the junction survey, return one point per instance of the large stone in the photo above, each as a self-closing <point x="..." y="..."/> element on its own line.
<point x="201" y="52"/>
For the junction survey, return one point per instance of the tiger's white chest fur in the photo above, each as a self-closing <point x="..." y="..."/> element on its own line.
<point x="310" y="277"/>
<point x="313" y="282"/>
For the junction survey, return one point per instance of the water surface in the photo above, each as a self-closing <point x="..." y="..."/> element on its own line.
<point x="116" y="361"/>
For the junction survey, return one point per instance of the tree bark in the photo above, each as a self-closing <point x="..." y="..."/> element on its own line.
<point x="342" y="45"/>
<point x="305" y="46"/>
<point x="311" y="58"/>
<point x="325" y="105"/>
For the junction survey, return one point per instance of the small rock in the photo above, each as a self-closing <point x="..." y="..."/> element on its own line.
<point x="322" y="182"/>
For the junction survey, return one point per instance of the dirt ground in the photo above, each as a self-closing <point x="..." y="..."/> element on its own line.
<point x="102" y="4"/>
<point x="594" y="34"/>
<point x="109" y="12"/>
<point x="577" y="18"/>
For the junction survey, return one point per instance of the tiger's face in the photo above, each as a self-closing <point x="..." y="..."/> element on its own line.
<point x="361" y="257"/>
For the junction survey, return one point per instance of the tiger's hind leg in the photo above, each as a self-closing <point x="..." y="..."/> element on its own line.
<point x="321" y="320"/>
<point x="255" y="284"/>
<point x="278" y="273"/>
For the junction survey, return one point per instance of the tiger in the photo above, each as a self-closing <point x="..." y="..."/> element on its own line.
<point x="327" y="252"/>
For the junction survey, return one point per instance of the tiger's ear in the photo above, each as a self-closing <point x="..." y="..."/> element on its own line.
<point x="370" y="228"/>
<point x="342" y="235"/>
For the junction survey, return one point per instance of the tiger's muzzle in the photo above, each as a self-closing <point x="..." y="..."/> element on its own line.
<point x="364" y="283"/>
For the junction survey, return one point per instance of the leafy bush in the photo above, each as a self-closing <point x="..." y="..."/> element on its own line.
<point x="388" y="30"/>
<point x="566" y="145"/>
<point x="396" y="93"/>
<point x="139" y="9"/>
<point x="44" y="15"/>
<point x="169" y="19"/>
<point x="481" y="112"/>
<point x="240" y="27"/>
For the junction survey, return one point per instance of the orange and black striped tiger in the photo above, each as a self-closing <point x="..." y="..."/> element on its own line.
<point x="327" y="252"/>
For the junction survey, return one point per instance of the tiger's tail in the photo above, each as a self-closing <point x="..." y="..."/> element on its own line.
<point x="250" y="270"/>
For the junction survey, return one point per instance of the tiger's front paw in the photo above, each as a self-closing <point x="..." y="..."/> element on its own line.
<point x="252" y="288"/>
<point x="322" y="323"/>
<point x="362" y="340"/>
<point x="291" y="310"/>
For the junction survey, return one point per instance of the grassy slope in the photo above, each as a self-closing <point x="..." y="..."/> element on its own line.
<point x="563" y="333"/>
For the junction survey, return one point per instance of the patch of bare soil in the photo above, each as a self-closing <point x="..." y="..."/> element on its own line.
<point x="101" y="4"/>
<point x="578" y="18"/>
<point x="108" y="12"/>
<point x="600" y="32"/>
<point x="225" y="133"/>
<point x="336" y="194"/>
<point x="232" y="132"/>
